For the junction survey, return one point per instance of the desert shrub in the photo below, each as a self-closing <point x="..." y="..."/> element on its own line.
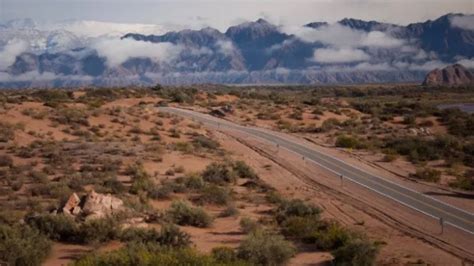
<point x="274" y="197"/>
<point x="114" y="186"/>
<point x="248" y="225"/>
<point x="262" y="248"/>
<point x="7" y="132"/>
<point x="409" y="120"/>
<point x="57" y="227"/>
<point x="53" y="98"/>
<point x="40" y="177"/>
<point x="160" y="192"/>
<point x="213" y="194"/>
<point x="218" y="173"/>
<point x="6" y="160"/>
<point x="224" y="254"/>
<point x="22" y="245"/>
<point x="183" y="213"/>
<point x="205" y="142"/>
<point x="175" y="133"/>
<point x="465" y="182"/>
<point x="299" y="227"/>
<point x="244" y="171"/>
<point x="329" y="124"/>
<point x="418" y="149"/>
<point x="297" y="208"/>
<point x="141" y="254"/>
<point x="99" y="230"/>
<point x="349" y="142"/>
<point x="72" y="116"/>
<point x="329" y="236"/>
<point x="229" y="211"/>
<point x="427" y="174"/>
<point x="192" y="181"/>
<point x="169" y="235"/>
<point x="358" y="252"/>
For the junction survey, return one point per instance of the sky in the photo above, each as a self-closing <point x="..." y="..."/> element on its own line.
<point x="223" y="13"/>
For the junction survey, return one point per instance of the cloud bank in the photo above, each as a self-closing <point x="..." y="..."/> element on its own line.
<point x="10" y="51"/>
<point x="342" y="36"/>
<point x="117" y="51"/>
<point x="465" y="22"/>
<point x="343" y="55"/>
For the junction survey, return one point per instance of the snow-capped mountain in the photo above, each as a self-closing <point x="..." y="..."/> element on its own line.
<point x="349" y="51"/>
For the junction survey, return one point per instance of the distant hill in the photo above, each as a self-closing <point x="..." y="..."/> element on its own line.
<point x="453" y="75"/>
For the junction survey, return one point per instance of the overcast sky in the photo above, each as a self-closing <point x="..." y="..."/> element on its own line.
<point x="222" y="13"/>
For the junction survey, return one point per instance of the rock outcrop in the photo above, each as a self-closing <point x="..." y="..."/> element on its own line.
<point x="92" y="206"/>
<point x="453" y="75"/>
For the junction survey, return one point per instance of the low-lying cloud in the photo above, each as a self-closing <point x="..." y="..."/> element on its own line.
<point x="339" y="55"/>
<point x="10" y="51"/>
<point x="342" y="36"/>
<point x="465" y="22"/>
<point x="118" y="51"/>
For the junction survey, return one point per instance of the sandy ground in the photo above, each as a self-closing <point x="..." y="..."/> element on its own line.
<point x="401" y="247"/>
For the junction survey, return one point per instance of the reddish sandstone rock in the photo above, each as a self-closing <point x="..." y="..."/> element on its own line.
<point x="454" y="75"/>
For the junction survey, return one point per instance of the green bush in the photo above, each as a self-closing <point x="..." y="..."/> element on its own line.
<point x="300" y="227"/>
<point x="99" y="230"/>
<point x="244" y="171"/>
<point x="465" y="182"/>
<point x="205" y="142"/>
<point x="348" y="142"/>
<point x="298" y="208"/>
<point x="248" y="225"/>
<point x="356" y="253"/>
<point x="192" y="181"/>
<point x="184" y="214"/>
<point x="57" y="227"/>
<point x="213" y="194"/>
<point x="329" y="236"/>
<point x="224" y="254"/>
<point x="229" y="211"/>
<point x="148" y="255"/>
<point x="427" y="174"/>
<point x="169" y="235"/>
<point x="218" y="173"/>
<point x="22" y="245"/>
<point x="262" y="248"/>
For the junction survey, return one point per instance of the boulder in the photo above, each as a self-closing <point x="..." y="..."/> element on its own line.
<point x="99" y="205"/>
<point x="72" y="205"/>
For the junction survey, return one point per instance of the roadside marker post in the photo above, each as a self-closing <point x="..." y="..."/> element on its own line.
<point x="342" y="180"/>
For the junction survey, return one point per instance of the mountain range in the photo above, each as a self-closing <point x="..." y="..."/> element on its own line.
<point x="348" y="51"/>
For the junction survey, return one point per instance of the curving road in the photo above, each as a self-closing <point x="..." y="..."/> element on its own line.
<point x="430" y="206"/>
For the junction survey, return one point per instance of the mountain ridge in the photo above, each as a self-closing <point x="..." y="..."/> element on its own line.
<point x="348" y="51"/>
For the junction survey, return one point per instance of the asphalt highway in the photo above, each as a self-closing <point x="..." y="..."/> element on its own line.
<point x="443" y="212"/>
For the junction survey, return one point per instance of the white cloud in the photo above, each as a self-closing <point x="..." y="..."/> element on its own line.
<point x="36" y="76"/>
<point x="225" y="47"/>
<point x="342" y="55"/>
<point x="469" y="63"/>
<point x="463" y="22"/>
<point x="10" y="51"/>
<point x="373" y="67"/>
<point x="342" y="36"/>
<point x="117" y="51"/>
<point x="380" y="39"/>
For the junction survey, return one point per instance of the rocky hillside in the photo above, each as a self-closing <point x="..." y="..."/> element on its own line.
<point x="453" y="75"/>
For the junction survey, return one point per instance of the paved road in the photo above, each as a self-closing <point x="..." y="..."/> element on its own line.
<point x="432" y="207"/>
